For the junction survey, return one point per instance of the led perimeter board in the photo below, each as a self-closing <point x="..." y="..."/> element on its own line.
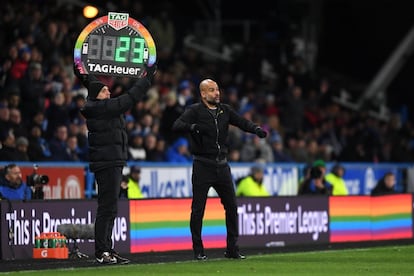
<point x="114" y="45"/>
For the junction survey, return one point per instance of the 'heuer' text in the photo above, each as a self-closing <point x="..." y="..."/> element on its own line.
<point x="113" y="69"/>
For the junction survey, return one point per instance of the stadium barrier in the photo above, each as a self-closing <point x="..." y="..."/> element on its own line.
<point x="155" y="225"/>
<point x="73" y="180"/>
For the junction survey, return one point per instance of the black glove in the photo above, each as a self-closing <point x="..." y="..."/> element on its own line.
<point x="260" y="132"/>
<point x="195" y="129"/>
<point x="150" y="72"/>
<point x="82" y="77"/>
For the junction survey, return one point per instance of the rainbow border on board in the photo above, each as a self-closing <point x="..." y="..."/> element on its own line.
<point x="104" y="20"/>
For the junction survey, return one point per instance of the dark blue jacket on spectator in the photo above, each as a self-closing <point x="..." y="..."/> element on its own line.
<point x="23" y="192"/>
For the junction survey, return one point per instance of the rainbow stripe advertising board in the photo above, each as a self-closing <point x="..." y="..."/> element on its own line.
<point x="366" y="218"/>
<point x="164" y="225"/>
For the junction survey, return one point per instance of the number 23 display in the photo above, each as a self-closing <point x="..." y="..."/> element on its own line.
<point x="115" y="45"/>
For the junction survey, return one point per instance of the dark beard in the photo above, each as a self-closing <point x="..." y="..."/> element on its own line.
<point x="212" y="102"/>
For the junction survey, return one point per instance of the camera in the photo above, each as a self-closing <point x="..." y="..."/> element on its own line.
<point x="36" y="179"/>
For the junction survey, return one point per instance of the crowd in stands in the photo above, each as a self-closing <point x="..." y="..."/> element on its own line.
<point x="40" y="98"/>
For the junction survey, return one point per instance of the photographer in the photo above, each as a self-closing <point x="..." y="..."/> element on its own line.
<point x="12" y="186"/>
<point x="315" y="183"/>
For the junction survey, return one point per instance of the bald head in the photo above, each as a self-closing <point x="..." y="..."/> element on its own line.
<point x="206" y="83"/>
<point x="210" y="93"/>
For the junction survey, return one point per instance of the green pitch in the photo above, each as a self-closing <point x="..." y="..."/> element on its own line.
<point x="387" y="260"/>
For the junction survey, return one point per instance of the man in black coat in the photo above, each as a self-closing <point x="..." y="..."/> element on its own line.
<point x="208" y="124"/>
<point x="108" y="146"/>
<point x="386" y="185"/>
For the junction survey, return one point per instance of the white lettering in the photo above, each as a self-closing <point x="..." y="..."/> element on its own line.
<point x="113" y="69"/>
<point x="119" y="232"/>
<point x="265" y="221"/>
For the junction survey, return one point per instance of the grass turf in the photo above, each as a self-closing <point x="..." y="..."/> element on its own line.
<point x="386" y="260"/>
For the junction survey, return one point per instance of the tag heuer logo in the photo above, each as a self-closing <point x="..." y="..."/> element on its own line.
<point x="118" y="20"/>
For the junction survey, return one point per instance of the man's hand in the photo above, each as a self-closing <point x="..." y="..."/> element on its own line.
<point x="150" y="72"/>
<point x="77" y="67"/>
<point x="260" y="132"/>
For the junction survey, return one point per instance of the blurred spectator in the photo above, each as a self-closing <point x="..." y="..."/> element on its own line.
<point x="129" y="123"/>
<point x="20" y="65"/>
<point x="296" y="148"/>
<point x="234" y="155"/>
<point x="146" y="122"/>
<point x="22" y="145"/>
<point x="270" y="108"/>
<point x="13" y="97"/>
<point x="134" y="190"/>
<point x="8" y="150"/>
<point x="171" y="112"/>
<point x="315" y="183"/>
<point x="78" y="102"/>
<point x="39" y="120"/>
<point x="58" y="144"/>
<point x="6" y="65"/>
<point x="136" y="150"/>
<point x="385" y="186"/>
<point x="38" y="149"/>
<point x="57" y="114"/>
<point x="19" y="129"/>
<point x="313" y="151"/>
<point x="178" y="152"/>
<point x="161" y="147"/>
<point x="51" y="40"/>
<point x="329" y="139"/>
<point x="278" y="149"/>
<point x="252" y="185"/>
<point x="185" y="95"/>
<point x="73" y="150"/>
<point x="33" y="89"/>
<point x="78" y="128"/>
<point x="256" y="149"/>
<point x="12" y="186"/>
<point x="5" y="123"/>
<point x="325" y="93"/>
<point x="273" y="123"/>
<point x="232" y="98"/>
<point x="312" y="109"/>
<point x="336" y="179"/>
<point x="236" y="136"/>
<point x="152" y="153"/>
<point x="293" y="110"/>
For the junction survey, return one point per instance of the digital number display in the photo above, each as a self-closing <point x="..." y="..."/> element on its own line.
<point x="119" y="49"/>
<point x="115" y="45"/>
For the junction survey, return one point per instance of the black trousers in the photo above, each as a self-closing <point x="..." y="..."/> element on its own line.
<point x="218" y="176"/>
<point x="109" y="182"/>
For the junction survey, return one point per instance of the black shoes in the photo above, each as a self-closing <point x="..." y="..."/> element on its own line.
<point x="119" y="259"/>
<point x="234" y="255"/>
<point x="228" y="254"/>
<point x="106" y="258"/>
<point x="200" y="257"/>
<point x="111" y="258"/>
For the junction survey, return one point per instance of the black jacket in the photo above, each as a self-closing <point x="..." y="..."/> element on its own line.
<point x="308" y="187"/>
<point x="211" y="142"/>
<point x="382" y="189"/>
<point x="107" y="136"/>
